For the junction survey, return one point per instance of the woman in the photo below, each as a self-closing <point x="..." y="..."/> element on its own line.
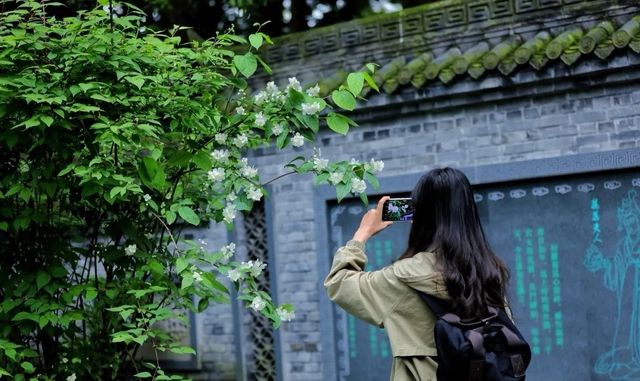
<point x="447" y="256"/>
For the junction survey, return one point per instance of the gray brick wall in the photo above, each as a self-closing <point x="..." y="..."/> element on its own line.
<point x="467" y="124"/>
<point x="519" y="129"/>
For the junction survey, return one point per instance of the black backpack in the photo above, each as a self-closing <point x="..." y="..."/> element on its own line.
<point x="489" y="349"/>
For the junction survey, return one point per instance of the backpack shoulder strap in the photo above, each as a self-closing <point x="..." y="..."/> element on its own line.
<point x="439" y="307"/>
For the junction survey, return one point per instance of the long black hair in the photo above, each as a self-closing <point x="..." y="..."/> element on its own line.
<point x="446" y="221"/>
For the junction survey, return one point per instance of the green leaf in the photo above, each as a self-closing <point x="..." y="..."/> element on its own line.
<point x="363" y="197"/>
<point x="371" y="82"/>
<point x="4" y="226"/>
<point x="372" y="180"/>
<point x="342" y="190"/>
<point x="321" y="178"/>
<point x="151" y="173"/>
<point x="27" y="366"/>
<point x="246" y="64"/>
<point x="170" y="216"/>
<point x="282" y="140"/>
<point x="46" y="119"/>
<point x="187" y="280"/>
<point x="371" y="67"/>
<point x="137" y="81"/>
<point x="42" y="279"/>
<point x="344" y="99"/>
<point x="256" y="40"/>
<point x="183" y="350"/>
<point x="338" y="123"/>
<point x="67" y="169"/>
<point x="58" y="271"/>
<point x="25" y="316"/>
<point x="32" y="122"/>
<point x="203" y="304"/>
<point x="264" y="65"/>
<point x="355" y="82"/>
<point x="90" y="294"/>
<point x="142" y="375"/>
<point x="115" y="190"/>
<point x="203" y="160"/>
<point x="187" y="214"/>
<point x="181" y="264"/>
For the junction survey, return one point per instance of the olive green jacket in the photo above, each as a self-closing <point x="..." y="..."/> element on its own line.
<point x="387" y="298"/>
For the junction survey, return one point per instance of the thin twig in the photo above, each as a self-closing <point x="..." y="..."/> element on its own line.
<point x="166" y="228"/>
<point x="278" y="177"/>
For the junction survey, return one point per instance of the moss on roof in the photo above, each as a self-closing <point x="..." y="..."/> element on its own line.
<point x="568" y="46"/>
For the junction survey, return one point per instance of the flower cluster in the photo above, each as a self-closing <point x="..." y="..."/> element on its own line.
<point x="297" y="140"/>
<point x="216" y="174"/>
<point x="311" y="108"/>
<point x="227" y="252"/>
<point x="258" y="304"/>
<point x="254" y="267"/>
<point x="285" y="314"/>
<point x="358" y="185"/>
<point x="220" y="155"/>
<point x="130" y="250"/>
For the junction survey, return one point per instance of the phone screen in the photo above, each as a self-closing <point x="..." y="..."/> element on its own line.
<point x="397" y="209"/>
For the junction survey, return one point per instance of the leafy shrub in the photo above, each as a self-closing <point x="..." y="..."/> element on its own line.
<point x="112" y="139"/>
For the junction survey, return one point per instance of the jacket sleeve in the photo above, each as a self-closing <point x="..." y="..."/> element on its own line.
<point x="368" y="295"/>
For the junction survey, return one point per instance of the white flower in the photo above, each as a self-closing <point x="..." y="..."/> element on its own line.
<point x="147" y="198"/>
<point x="130" y="250"/>
<point x="285" y="315"/>
<point x="258" y="303"/>
<point x="260" y="98"/>
<point x="336" y="177"/>
<point x="260" y="119"/>
<point x="229" y="213"/>
<point x="313" y="91"/>
<point x="357" y="185"/>
<point x="65" y="360"/>
<point x="117" y="10"/>
<point x="220" y="155"/>
<point x="272" y="89"/>
<point x="277" y="129"/>
<point x="297" y="140"/>
<point x="354" y="161"/>
<point x="377" y="165"/>
<point x="254" y="194"/>
<point x="221" y="138"/>
<point x="249" y="172"/>
<point x="72" y="377"/>
<point x="257" y="267"/>
<point x="216" y="174"/>
<point x="231" y="197"/>
<point x="234" y="275"/>
<point x="197" y="276"/>
<point x="294" y="84"/>
<point x="311" y="108"/>
<point x="240" y="140"/>
<point x="319" y="164"/>
<point x="228" y="251"/>
<point x="240" y="110"/>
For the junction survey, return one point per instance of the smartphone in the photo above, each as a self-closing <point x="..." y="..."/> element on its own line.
<point x="397" y="209"/>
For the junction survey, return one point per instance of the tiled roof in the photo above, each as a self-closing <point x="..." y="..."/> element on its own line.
<point x="568" y="46"/>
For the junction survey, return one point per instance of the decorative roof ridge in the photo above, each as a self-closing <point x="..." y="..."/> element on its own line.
<point x="505" y="57"/>
<point x="430" y="23"/>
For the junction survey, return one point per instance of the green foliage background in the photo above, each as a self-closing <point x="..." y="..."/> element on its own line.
<point x="110" y="139"/>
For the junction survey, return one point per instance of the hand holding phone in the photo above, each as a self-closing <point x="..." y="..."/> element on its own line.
<point x="372" y="223"/>
<point x="397" y="209"/>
